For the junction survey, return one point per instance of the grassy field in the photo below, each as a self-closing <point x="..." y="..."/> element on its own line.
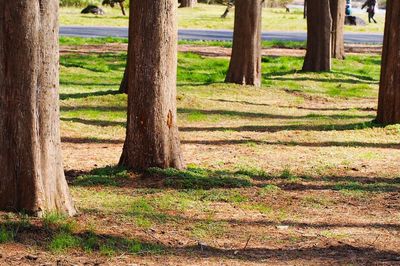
<point x="208" y="17"/>
<point x="294" y="172"/>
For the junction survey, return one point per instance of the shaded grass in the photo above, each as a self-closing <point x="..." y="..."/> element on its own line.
<point x="196" y="178"/>
<point x="108" y="176"/>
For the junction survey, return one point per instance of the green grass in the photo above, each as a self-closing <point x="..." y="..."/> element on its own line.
<point x="76" y="41"/>
<point x="208" y="17"/>
<point x="196" y="178"/>
<point x="108" y="176"/>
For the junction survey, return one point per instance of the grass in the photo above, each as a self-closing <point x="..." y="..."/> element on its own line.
<point x="208" y="17"/>
<point x="300" y="152"/>
<point x="77" y="41"/>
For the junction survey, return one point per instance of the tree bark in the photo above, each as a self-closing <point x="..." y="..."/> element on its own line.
<point x="188" y="3"/>
<point x="152" y="134"/>
<point x="319" y="24"/>
<point x="245" y="64"/>
<point x="31" y="177"/>
<point x="389" y="91"/>
<point x="338" y="16"/>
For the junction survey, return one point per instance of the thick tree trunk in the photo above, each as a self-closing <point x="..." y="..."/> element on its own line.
<point x="152" y="134"/>
<point x="319" y="24"/>
<point x="389" y="91"/>
<point x="338" y="15"/>
<point x="31" y="175"/>
<point x="245" y="64"/>
<point x="188" y="3"/>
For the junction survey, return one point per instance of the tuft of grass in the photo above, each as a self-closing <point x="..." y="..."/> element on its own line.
<point x="6" y="234"/>
<point x="208" y="228"/>
<point x="63" y="242"/>
<point x="197" y="178"/>
<point x="287" y="174"/>
<point x="268" y="190"/>
<point x="108" y="176"/>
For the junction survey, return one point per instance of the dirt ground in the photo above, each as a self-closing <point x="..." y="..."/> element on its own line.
<point x="309" y="221"/>
<point x="216" y="51"/>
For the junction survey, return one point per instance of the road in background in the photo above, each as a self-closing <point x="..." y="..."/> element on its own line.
<point x="213" y="35"/>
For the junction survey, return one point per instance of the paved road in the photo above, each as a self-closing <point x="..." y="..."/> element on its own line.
<point x="208" y="35"/>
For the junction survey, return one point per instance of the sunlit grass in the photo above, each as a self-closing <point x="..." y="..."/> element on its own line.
<point x="208" y="17"/>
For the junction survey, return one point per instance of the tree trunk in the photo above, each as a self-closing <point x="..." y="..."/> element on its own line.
<point x="389" y="91"/>
<point x="188" y="3"/>
<point x="245" y="64"/>
<point x="152" y="134"/>
<point x="319" y="24"/>
<point x="338" y="15"/>
<point x="123" y="87"/>
<point x="305" y="9"/>
<point x="121" y="5"/>
<point x="31" y="177"/>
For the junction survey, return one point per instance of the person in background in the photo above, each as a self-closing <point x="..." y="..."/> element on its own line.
<point x="370" y="4"/>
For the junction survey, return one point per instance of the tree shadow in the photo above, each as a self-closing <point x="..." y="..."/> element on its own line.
<point x="90" y="140"/>
<point x="92" y="122"/>
<point x="392" y="145"/>
<point x="278" y="128"/>
<point x="43" y="237"/>
<point x="270" y="116"/>
<point x="366" y="109"/>
<point x="195" y="178"/>
<point x="65" y="96"/>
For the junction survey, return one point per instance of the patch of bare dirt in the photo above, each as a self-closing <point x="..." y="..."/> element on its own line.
<point x="213" y="51"/>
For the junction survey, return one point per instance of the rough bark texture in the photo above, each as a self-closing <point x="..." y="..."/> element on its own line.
<point x="31" y="177"/>
<point x="338" y="13"/>
<point x="188" y="3"/>
<point x="152" y="133"/>
<point x="245" y="64"/>
<point x="319" y="24"/>
<point x="389" y="92"/>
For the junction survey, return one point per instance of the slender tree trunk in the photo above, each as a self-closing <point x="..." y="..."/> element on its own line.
<point x="188" y="3"/>
<point x="338" y="13"/>
<point x="319" y="24"/>
<point x="152" y="134"/>
<point x="31" y="177"/>
<point x="245" y="64"/>
<point x="389" y="91"/>
<point x="123" y="87"/>
<point x="121" y="5"/>
<point x="305" y="9"/>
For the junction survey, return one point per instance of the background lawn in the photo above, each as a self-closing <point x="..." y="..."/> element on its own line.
<point x="208" y="17"/>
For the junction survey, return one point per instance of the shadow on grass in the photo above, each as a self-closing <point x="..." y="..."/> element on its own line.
<point x="224" y="142"/>
<point x="59" y="241"/>
<point x="92" y="122"/>
<point x="299" y="127"/>
<point x="91" y="140"/>
<point x="366" y="109"/>
<point x="328" y="80"/>
<point x="64" y="96"/>
<point x="94" y="108"/>
<point x="59" y="237"/>
<point x="194" y="178"/>
<point x="266" y="115"/>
